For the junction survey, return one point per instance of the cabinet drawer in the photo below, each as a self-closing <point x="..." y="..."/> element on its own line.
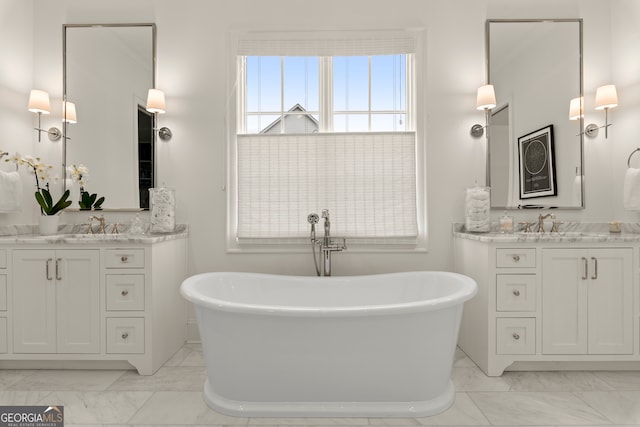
<point x="3" y="258"/>
<point x="516" y="335"/>
<point x="516" y="292"/>
<point x="124" y="258"/>
<point x="125" y="335"/>
<point x="3" y="292"/>
<point x="515" y="258"/>
<point x="125" y="292"/>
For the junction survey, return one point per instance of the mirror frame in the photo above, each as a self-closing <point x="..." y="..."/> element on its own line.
<point x="64" y="95"/>
<point x="579" y="21"/>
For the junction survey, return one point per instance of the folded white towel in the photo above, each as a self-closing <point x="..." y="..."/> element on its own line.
<point x="632" y="189"/>
<point x="10" y="192"/>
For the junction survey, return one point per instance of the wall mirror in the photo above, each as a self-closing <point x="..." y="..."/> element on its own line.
<point x="107" y="72"/>
<point x="534" y="152"/>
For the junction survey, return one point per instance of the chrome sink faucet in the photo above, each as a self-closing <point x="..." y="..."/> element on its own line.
<point x="326" y="244"/>
<point x="101" y="222"/>
<point x="541" y="219"/>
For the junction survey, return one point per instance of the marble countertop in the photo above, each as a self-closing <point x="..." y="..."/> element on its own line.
<point x="570" y="233"/>
<point x="71" y="234"/>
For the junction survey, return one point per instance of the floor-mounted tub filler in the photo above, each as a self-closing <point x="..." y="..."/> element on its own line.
<point x="360" y="346"/>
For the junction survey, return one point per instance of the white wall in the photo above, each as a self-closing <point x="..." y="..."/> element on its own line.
<point x="192" y="52"/>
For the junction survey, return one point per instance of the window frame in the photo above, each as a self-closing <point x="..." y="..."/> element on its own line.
<point x="235" y="121"/>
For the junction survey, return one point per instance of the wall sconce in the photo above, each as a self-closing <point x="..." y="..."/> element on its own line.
<point x="69" y="112"/>
<point x="156" y="105"/>
<point x="606" y="98"/>
<point x="485" y="100"/>
<point x="576" y="108"/>
<point x="39" y="103"/>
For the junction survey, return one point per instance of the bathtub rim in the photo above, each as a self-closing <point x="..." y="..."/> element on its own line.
<point x="412" y="409"/>
<point x="468" y="289"/>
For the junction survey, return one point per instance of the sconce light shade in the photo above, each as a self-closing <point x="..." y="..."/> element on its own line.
<point x="39" y="102"/>
<point x="486" y="98"/>
<point x="155" y="101"/>
<point x="576" y="110"/>
<point x="156" y="105"/>
<point x="69" y="112"/>
<point x="606" y="97"/>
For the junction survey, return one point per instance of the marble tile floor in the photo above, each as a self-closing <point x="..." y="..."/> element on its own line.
<point x="173" y="397"/>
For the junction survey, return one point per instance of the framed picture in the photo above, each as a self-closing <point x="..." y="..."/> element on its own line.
<point x="537" y="164"/>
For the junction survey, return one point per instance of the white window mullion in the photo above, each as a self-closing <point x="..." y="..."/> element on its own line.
<point x="326" y="94"/>
<point x="409" y="93"/>
<point x="369" y="93"/>
<point x="242" y="95"/>
<point x="282" y="110"/>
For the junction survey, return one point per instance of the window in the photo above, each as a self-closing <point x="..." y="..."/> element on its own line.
<point x="361" y="93"/>
<point x="326" y="121"/>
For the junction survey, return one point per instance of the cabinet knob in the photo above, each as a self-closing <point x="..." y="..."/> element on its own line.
<point x="125" y="335"/>
<point x="125" y="293"/>
<point x="124" y="258"/>
<point x="516" y="258"/>
<point x="516" y="293"/>
<point x="516" y="336"/>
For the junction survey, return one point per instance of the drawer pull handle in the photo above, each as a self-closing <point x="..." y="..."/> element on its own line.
<point x="516" y="293"/>
<point x="516" y="336"/>
<point x="125" y="293"/>
<point x="124" y="258"/>
<point x="58" y="274"/>
<point x="125" y="335"/>
<point x="516" y="258"/>
<point x="47" y="268"/>
<point x="586" y="268"/>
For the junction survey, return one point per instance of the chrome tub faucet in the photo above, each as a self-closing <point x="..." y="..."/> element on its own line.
<point x="327" y="245"/>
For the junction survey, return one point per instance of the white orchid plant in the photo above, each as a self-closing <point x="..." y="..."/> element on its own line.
<point x="42" y="172"/>
<point x="79" y="174"/>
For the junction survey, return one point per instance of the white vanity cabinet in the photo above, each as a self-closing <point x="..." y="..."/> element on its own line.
<point x="550" y="303"/>
<point x="92" y="302"/>
<point x="56" y="301"/>
<point x="587" y="301"/>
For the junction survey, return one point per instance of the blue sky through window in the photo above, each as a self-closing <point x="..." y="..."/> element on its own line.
<point x="369" y="93"/>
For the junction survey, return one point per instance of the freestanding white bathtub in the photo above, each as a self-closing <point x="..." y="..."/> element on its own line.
<point x="366" y="346"/>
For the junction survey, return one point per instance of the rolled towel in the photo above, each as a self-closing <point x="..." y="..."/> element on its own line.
<point x="478" y="203"/>
<point x="632" y="189"/>
<point x="10" y="192"/>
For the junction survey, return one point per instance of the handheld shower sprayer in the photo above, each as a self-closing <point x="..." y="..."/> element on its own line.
<point x="313" y="219"/>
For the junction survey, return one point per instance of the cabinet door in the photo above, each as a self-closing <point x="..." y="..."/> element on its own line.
<point x="564" y="301"/>
<point x="78" y="301"/>
<point x="610" y="301"/>
<point x="34" y="301"/>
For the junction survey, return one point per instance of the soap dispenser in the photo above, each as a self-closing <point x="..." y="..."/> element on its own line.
<point x="506" y="223"/>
